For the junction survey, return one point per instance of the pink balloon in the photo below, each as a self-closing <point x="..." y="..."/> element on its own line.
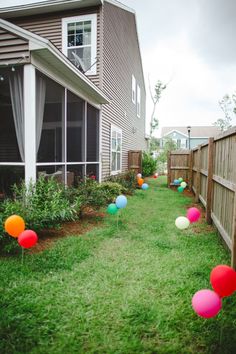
<point x="193" y="214"/>
<point x="206" y="303"/>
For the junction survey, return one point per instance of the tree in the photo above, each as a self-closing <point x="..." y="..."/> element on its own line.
<point x="169" y="145"/>
<point x="228" y="106"/>
<point x="158" y="89"/>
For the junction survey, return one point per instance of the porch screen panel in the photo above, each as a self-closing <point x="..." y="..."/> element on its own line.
<point x="9" y="150"/>
<point x="51" y="148"/>
<point x="92" y="134"/>
<point x="75" y="129"/>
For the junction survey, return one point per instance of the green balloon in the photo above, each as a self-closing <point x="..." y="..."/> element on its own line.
<point x="180" y="189"/>
<point x="180" y="179"/>
<point x="112" y="209"/>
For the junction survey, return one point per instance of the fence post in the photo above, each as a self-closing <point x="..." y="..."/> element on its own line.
<point x="198" y="176"/>
<point x="209" y="180"/>
<point x="190" y="170"/>
<point x="168" y="169"/>
<point x="233" y="251"/>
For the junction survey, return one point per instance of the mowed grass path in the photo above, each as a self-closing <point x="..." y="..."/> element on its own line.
<point x="119" y="291"/>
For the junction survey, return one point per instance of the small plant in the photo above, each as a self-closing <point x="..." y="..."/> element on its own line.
<point x="149" y="164"/>
<point x="127" y="180"/>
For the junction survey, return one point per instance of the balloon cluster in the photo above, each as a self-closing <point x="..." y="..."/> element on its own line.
<point x="180" y="183"/>
<point x="141" y="183"/>
<point x="183" y="222"/>
<point x="15" y="227"/>
<point x="121" y="202"/>
<point x="207" y="303"/>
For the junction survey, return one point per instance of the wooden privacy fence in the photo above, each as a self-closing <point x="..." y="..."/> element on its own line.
<point x="210" y="171"/>
<point x="135" y="160"/>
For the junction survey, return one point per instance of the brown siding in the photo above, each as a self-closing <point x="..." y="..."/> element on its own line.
<point x="50" y="27"/>
<point x="121" y="59"/>
<point x="12" y="48"/>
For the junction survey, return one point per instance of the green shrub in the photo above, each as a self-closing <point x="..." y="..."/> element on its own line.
<point x="127" y="180"/>
<point x="111" y="190"/>
<point x="149" y="164"/>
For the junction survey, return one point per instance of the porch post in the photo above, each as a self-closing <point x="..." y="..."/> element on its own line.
<point x="30" y="122"/>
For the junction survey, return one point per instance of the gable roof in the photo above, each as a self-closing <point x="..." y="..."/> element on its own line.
<point x="42" y="7"/>
<point x="195" y="132"/>
<point x="44" y="49"/>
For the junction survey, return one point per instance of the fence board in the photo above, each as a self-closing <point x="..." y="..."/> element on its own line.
<point x="210" y="171"/>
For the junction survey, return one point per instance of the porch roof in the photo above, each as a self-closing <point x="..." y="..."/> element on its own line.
<point x="42" y="50"/>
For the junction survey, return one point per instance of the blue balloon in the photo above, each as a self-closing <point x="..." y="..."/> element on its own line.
<point x="121" y="202"/>
<point x="145" y="186"/>
<point x="176" y="182"/>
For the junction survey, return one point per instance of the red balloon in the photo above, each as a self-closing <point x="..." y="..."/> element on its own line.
<point x="154" y="176"/>
<point x="223" y="280"/>
<point x="27" y="239"/>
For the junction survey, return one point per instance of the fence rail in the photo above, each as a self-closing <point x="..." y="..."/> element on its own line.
<point x="210" y="171"/>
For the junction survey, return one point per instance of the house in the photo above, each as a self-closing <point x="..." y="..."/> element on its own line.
<point x="72" y="93"/>
<point x="188" y="137"/>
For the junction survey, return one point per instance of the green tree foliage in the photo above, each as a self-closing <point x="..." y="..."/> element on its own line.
<point x="169" y="145"/>
<point x="149" y="164"/>
<point x="228" y="106"/>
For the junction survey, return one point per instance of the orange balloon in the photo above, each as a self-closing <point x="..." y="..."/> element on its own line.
<point x="140" y="181"/>
<point x="14" y="225"/>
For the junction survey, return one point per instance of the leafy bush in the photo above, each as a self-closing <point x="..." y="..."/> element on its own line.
<point x="93" y="194"/>
<point x="149" y="164"/>
<point x="127" y="180"/>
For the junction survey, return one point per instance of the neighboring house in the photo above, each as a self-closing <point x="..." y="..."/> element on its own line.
<point x="72" y="93"/>
<point x="198" y="135"/>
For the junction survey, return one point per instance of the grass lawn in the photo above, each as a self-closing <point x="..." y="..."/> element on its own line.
<point x="125" y="290"/>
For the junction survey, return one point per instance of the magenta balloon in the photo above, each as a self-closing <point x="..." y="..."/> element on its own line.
<point x="193" y="214"/>
<point x="206" y="303"/>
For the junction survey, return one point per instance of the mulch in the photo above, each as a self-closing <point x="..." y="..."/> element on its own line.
<point x="89" y="219"/>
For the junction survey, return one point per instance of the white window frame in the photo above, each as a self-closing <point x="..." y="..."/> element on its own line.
<point x="133" y="93"/>
<point x="93" y="19"/>
<point x="138" y="101"/>
<point x="117" y="130"/>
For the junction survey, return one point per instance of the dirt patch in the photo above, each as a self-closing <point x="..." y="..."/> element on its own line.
<point x="88" y="221"/>
<point x="186" y="191"/>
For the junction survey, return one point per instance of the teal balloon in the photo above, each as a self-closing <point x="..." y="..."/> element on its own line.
<point x="180" y="189"/>
<point x="112" y="209"/>
<point x="145" y="186"/>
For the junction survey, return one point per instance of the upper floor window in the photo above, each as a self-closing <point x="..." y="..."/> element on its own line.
<point x="79" y="41"/>
<point x="138" y="101"/>
<point x="133" y="89"/>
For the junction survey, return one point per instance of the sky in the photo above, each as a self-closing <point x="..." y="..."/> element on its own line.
<point x="191" y="46"/>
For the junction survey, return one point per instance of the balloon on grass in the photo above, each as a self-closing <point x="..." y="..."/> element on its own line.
<point x="206" y="303"/>
<point x="193" y="214"/>
<point x="140" y="181"/>
<point x="155" y="175"/>
<point x="14" y="225"/>
<point x="223" y="280"/>
<point x="180" y="179"/>
<point x="183" y="184"/>
<point x="176" y="182"/>
<point x="145" y="186"/>
<point x="121" y="202"/>
<point x="180" y="189"/>
<point x="139" y="175"/>
<point x="112" y="209"/>
<point x="27" y="239"/>
<point x="182" y="222"/>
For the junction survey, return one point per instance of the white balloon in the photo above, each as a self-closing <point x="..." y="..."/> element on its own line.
<point x="182" y="222"/>
<point x="156" y="174"/>
<point x="139" y="175"/>
<point x="183" y="184"/>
